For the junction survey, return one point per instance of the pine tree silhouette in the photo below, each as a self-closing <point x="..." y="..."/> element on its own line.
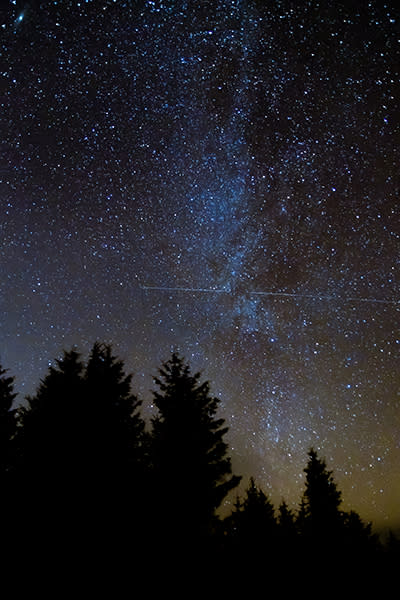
<point x="321" y="497"/>
<point x="47" y="432"/>
<point x="286" y="519"/>
<point x="80" y="456"/>
<point x="331" y="536"/>
<point x="48" y="444"/>
<point x="320" y="519"/>
<point x="191" y="468"/>
<point x="8" y="492"/>
<point x="7" y="422"/>
<point x="252" y="526"/>
<point x="116" y="425"/>
<point x="114" y="448"/>
<point x="288" y="541"/>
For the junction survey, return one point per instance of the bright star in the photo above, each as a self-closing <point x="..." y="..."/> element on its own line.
<point x="19" y="18"/>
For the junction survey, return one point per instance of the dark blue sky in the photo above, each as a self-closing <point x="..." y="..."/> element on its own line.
<point x="237" y="146"/>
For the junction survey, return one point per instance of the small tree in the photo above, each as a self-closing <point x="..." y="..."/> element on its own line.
<point x="286" y="518"/>
<point x="321" y="496"/>
<point x="320" y="519"/>
<point x="286" y="522"/>
<point x="358" y="537"/>
<point x="192" y="471"/>
<point x="253" y="520"/>
<point x="251" y="531"/>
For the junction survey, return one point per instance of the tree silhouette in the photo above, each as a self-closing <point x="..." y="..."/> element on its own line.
<point x="321" y="521"/>
<point x="7" y="421"/>
<point x="117" y="429"/>
<point x="358" y="537"/>
<point x="191" y="468"/>
<point x="82" y="478"/>
<point x="48" y="443"/>
<point x="252" y="528"/>
<point x="321" y="497"/>
<point x="286" y="519"/>
<point x="7" y="459"/>
<point x="287" y="532"/>
<point x="114" y="446"/>
<point x="80" y="446"/>
<point x="47" y="433"/>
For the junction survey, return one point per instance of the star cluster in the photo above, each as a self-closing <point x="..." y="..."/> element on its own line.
<point x="219" y="178"/>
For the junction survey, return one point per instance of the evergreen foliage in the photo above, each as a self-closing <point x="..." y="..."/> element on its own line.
<point x="321" y="500"/>
<point x="7" y="456"/>
<point x="251" y="529"/>
<point x="253" y="517"/>
<point x="7" y="420"/>
<point x="51" y="427"/>
<point x="82" y="479"/>
<point x="116" y="431"/>
<point x="191" y="468"/>
<point x="338" y="536"/>
<point x="288" y="534"/>
<point x="79" y="445"/>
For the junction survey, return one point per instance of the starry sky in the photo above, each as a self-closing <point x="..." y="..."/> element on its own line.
<point x="219" y="178"/>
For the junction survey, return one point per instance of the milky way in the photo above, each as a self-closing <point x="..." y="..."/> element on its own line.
<point x="220" y="178"/>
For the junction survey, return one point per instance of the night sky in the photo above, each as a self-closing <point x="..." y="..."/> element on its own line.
<point x="219" y="178"/>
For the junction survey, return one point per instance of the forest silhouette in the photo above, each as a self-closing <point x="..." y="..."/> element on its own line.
<point x="86" y="481"/>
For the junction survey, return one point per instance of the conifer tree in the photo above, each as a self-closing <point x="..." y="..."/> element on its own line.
<point x="47" y="437"/>
<point x="358" y="537"/>
<point x="286" y="518"/>
<point x="320" y="517"/>
<point x="191" y="467"/>
<point x="286" y="521"/>
<point x="115" y="446"/>
<point x="116" y="427"/>
<point x="321" y="497"/>
<point x="7" y="421"/>
<point x="251" y="531"/>
<point x="7" y="457"/>
<point x="47" y="445"/>
<point x="80" y="443"/>
<point x="288" y="535"/>
<point x="253" y="518"/>
<point x="331" y="534"/>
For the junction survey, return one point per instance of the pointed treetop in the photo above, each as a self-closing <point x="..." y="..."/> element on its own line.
<point x="7" y="394"/>
<point x="321" y="497"/>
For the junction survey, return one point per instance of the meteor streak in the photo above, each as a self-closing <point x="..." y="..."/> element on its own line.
<point x="228" y="290"/>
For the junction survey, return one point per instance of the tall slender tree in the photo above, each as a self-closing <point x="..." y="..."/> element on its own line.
<point x="191" y="467"/>
<point x="287" y="530"/>
<point x="115" y="445"/>
<point x="116" y="426"/>
<point x="321" y="496"/>
<point x="320" y="519"/>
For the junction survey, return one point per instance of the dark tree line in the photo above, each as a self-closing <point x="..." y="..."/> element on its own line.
<point x="84" y="479"/>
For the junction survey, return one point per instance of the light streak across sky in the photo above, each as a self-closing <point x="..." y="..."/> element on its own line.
<point x="228" y="290"/>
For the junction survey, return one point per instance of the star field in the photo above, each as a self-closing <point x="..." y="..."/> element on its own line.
<point x="219" y="178"/>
